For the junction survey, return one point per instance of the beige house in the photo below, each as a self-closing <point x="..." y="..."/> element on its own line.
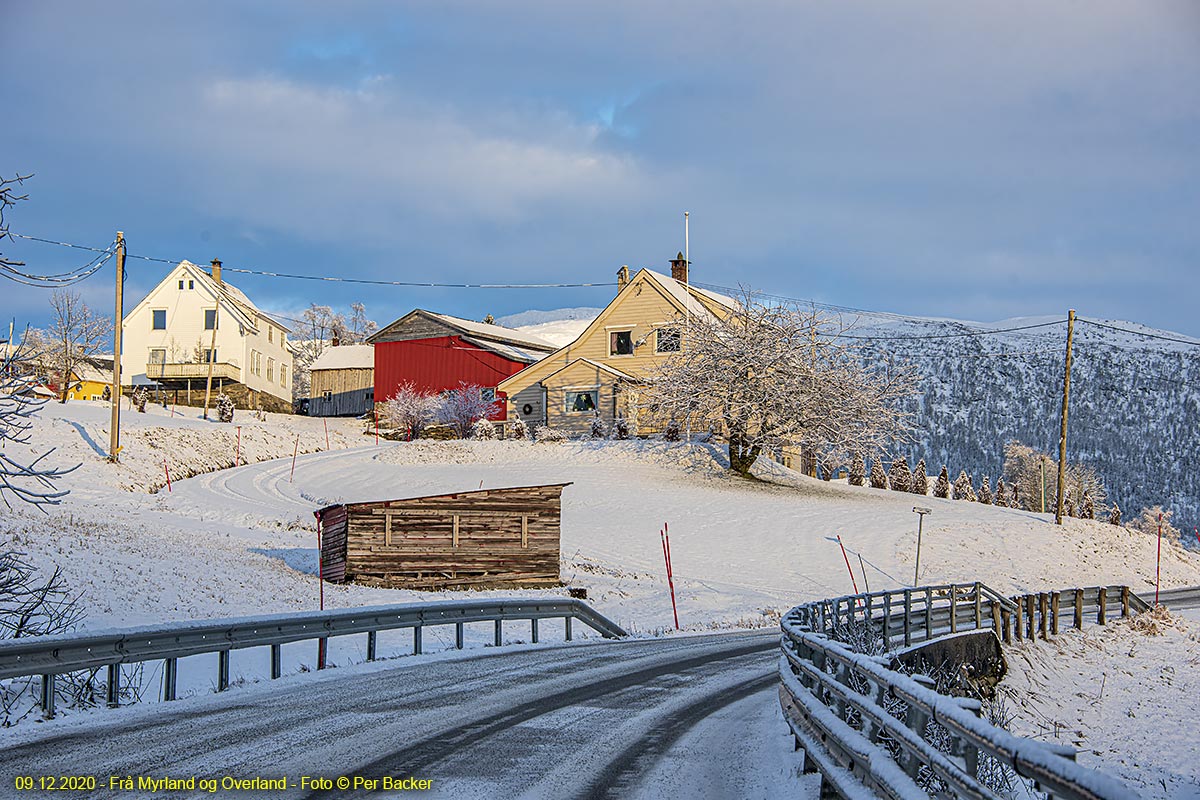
<point x="194" y="317"/>
<point x="600" y="371"/>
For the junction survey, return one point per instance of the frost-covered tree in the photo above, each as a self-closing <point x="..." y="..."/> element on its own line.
<point x="878" y="476"/>
<point x="1001" y="498"/>
<point x="1153" y="519"/>
<point x="28" y="480"/>
<point x="620" y="428"/>
<point x="483" y="429"/>
<point x="671" y="432"/>
<point x="1014" y="499"/>
<point x="942" y="487"/>
<point x="520" y="430"/>
<point x="899" y="476"/>
<point x="1087" y="508"/>
<point x="963" y="490"/>
<point x="317" y="329"/>
<point x="225" y="407"/>
<point x="773" y="377"/>
<point x="409" y="410"/>
<point x="598" y="430"/>
<point x="139" y="398"/>
<point x="464" y="405"/>
<point x="75" y="337"/>
<point x="1033" y="473"/>
<point x="985" y="491"/>
<point x="858" y="470"/>
<point x="1114" y="515"/>
<point x="920" y="482"/>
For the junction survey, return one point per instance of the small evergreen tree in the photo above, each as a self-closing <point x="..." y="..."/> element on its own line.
<point x="1087" y="509"/>
<point x="139" y="398"/>
<point x="671" y="432"/>
<point x="858" y="470"/>
<point x="1015" y="500"/>
<point x="599" y="430"/>
<point x="224" y="408"/>
<point x="900" y="477"/>
<point x="1001" y="498"/>
<point x="942" y="487"/>
<point x="963" y="490"/>
<point x="519" y="429"/>
<point x="620" y="428"/>
<point x="878" y="478"/>
<point x="920" y="481"/>
<point x="1069" y="505"/>
<point x="985" y="491"/>
<point x="1114" y="515"/>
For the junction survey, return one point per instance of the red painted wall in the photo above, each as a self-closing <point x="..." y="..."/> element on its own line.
<point x="438" y="364"/>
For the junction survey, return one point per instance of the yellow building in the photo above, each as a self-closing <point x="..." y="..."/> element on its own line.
<point x="601" y="370"/>
<point x="88" y="381"/>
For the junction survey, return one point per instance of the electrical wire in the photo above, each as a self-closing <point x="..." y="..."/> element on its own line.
<point x="1191" y="342"/>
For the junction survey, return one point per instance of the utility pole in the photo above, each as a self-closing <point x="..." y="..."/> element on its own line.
<point x="212" y="353"/>
<point x="1062" y="436"/>
<point x="114" y="433"/>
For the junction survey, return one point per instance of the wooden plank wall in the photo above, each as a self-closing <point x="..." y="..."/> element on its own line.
<point x="333" y="544"/>
<point x="496" y="538"/>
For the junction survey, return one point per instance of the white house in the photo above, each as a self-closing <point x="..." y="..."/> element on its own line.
<point x="193" y="317"/>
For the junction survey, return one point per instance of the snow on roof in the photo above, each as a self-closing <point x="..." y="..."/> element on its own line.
<point x="507" y="350"/>
<point x="680" y="292"/>
<point x="92" y="372"/>
<point x="235" y="295"/>
<point x="491" y="331"/>
<point x="346" y="356"/>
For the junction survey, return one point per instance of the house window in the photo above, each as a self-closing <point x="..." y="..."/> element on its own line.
<point x="210" y="319"/>
<point x="283" y="375"/>
<point x="581" y="402"/>
<point x="191" y="284"/>
<point x="620" y="343"/>
<point x="487" y="394"/>
<point x="270" y="334"/>
<point x="160" y="319"/>
<point x="181" y="283"/>
<point x="667" y="340"/>
<point x="158" y="356"/>
<point x="210" y="356"/>
<point x="270" y="369"/>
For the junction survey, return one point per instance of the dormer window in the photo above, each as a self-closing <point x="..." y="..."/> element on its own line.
<point x="620" y="343"/>
<point x="181" y="284"/>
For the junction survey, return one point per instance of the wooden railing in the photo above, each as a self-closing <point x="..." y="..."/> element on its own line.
<point x="866" y="727"/>
<point x="156" y="371"/>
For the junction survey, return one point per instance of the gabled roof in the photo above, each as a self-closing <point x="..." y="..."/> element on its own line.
<point x="346" y="356"/>
<point x="234" y="299"/>
<point x="603" y="367"/>
<point x="465" y="327"/>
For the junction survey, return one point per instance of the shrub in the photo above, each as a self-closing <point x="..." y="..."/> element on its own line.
<point x="544" y="433"/>
<point x="224" y="408"/>
<point x="483" y="429"/>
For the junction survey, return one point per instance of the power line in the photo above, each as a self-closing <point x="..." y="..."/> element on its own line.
<point x="1191" y="342"/>
<point x="973" y="332"/>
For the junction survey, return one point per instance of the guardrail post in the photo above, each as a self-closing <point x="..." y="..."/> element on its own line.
<point x="170" y="678"/>
<point x="1124" y="601"/>
<point x="112" y="689"/>
<point x="970" y="752"/>
<point x="1043" y="609"/>
<point x="458" y="636"/>
<point x="953" y="608"/>
<point x="907" y="617"/>
<point x="499" y="638"/>
<point x="533" y="630"/>
<point x="928" y="614"/>
<point x="322" y="649"/>
<point x="978" y="608"/>
<point x="1005" y="622"/>
<point x="1030" y="616"/>
<point x="887" y="620"/>
<point x="222" y="670"/>
<point x="47" y="700"/>
<point x="416" y="640"/>
<point x="1054" y="613"/>
<point x="1018" y="627"/>
<point x="917" y="720"/>
<point x="372" y="642"/>
<point x="1079" y="609"/>
<point x="567" y="623"/>
<point x="1102" y="601"/>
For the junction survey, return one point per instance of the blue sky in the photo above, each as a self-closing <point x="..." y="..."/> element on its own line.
<point x="978" y="161"/>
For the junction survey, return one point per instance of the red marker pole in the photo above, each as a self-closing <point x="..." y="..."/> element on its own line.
<point x="237" y="458"/>
<point x="1197" y="532"/>
<point x="294" y="452"/>
<point x="665" y="535"/>
<point x="322" y="644"/>
<point x="326" y="432"/>
<point x="376" y="427"/>
<point x="853" y="582"/>
<point x="167" y="470"/>
<point x="1158" y="566"/>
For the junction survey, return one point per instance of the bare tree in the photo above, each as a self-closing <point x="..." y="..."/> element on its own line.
<point x="31" y="482"/>
<point x="409" y="410"/>
<point x="465" y="405"/>
<point x="319" y="327"/>
<point x="9" y="197"/>
<point x="775" y="377"/>
<point x="75" y="336"/>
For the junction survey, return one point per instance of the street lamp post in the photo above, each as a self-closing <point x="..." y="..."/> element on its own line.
<point x="921" y="512"/>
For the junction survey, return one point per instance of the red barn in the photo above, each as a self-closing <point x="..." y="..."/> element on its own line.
<point x="437" y="352"/>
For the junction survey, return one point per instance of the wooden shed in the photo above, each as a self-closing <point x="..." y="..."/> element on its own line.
<point x="343" y="381"/>
<point x="476" y="539"/>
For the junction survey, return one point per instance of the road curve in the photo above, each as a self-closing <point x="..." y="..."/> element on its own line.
<point x="589" y="720"/>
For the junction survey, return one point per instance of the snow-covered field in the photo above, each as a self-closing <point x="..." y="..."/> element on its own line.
<point x="242" y="541"/>
<point x="1125" y="695"/>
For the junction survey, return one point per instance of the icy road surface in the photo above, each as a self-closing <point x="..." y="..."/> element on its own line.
<point x="640" y="718"/>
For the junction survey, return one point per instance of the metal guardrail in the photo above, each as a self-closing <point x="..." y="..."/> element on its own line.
<point x="836" y="700"/>
<point x="50" y="656"/>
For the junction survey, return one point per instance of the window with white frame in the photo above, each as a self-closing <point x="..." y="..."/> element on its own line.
<point x="581" y="401"/>
<point x="158" y="319"/>
<point x="270" y="369"/>
<point x="283" y="375"/>
<point x="666" y="340"/>
<point x="620" y="343"/>
<point x="210" y="319"/>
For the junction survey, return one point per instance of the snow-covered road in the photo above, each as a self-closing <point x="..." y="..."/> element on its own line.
<point x="611" y="719"/>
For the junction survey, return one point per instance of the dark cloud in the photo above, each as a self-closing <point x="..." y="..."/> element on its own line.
<point x="930" y="158"/>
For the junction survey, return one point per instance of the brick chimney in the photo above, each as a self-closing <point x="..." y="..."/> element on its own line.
<point x="622" y="277"/>
<point x="679" y="268"/>
<point x="216" y="271"/>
